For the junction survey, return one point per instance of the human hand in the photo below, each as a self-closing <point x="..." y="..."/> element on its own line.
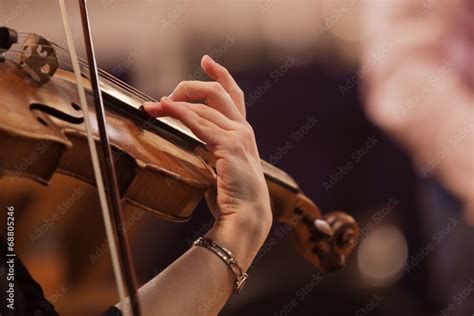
<point x="240" y="200"/>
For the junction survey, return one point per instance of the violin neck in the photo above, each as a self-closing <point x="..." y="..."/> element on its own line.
<point x="121" y="101"/>
<point x="133" y="107"/>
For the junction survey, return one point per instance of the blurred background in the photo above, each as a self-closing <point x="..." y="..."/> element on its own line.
<point x="308" y="68"/>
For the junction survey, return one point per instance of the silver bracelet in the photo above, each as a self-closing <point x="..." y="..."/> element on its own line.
<point x="228" y="258"/>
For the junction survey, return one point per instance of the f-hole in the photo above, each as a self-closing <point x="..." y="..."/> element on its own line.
<point x="56" y="113"/>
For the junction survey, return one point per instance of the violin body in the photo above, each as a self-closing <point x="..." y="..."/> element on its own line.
<point x="47" y="135"/>
<point x="160" y="170"/>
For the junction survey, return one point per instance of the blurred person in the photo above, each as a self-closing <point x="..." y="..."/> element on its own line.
<point x="420" y="91"/>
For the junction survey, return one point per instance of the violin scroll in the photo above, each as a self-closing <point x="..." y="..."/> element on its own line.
<point x="37" y="56"/>
<point x="324" y="240"/>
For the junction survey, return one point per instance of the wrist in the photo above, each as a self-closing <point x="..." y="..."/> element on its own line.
<point x="243" y="232"/>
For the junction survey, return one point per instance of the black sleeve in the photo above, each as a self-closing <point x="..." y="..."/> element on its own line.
<point x="113" y="311"/>
<point x="29" y="297"/>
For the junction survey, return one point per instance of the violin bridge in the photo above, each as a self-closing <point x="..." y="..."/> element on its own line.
<point x="38" y="58"/>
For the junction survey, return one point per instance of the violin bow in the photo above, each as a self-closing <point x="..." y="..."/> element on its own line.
<point x="113" y="215"/>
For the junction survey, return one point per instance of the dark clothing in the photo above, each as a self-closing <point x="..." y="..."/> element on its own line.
<point x="29" y="298"/>
<point x="28" y="295"/>
<point x="113" y="311"/>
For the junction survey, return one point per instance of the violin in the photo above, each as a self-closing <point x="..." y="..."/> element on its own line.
<point x="161" y="166"/>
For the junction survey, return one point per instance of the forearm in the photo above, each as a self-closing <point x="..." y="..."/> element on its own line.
<point x="199" y="282"/>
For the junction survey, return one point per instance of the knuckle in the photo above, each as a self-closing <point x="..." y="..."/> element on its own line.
<point x="181" y="88"/>
<point x="240" y="147"/>
<point x="182" y="85"/>
<point x="201" y="109"/>
<point x="167" y="105"/>
<point x="185" y="87"/>
<point x="240" y="93"/>
<point x="212" y="140"/>
<point x="218" y="141"/>
<point x="217" y="87"/>
<point x="248" y="131"/>
<point x="201" y="122"/>
<point x="224" y="71"/>
<point x="241" y="140"/>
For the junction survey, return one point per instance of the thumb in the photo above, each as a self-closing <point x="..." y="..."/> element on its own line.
<point x="211" y="199"/>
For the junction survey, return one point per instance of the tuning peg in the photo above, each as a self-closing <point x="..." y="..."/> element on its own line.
<point x="8" y="37"/>
<point x="323" y="227"/>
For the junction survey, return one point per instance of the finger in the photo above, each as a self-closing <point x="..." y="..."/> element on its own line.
<point x="212" y="92"/>
<point x="222" y="75"/>
<point x="203" y="128"/>
<point x="202" y="110"/>
<point x="210" y="114"/>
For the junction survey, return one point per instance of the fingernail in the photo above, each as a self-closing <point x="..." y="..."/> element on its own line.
<point x="171" y="95"/>
<point x="209" y="57"/>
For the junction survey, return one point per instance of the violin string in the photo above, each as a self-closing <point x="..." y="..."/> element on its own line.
<point x="126" y="88"/>
<point x="116" y="86"/>
<point x="84" y="69"/>
<point x="19" y="52"/>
